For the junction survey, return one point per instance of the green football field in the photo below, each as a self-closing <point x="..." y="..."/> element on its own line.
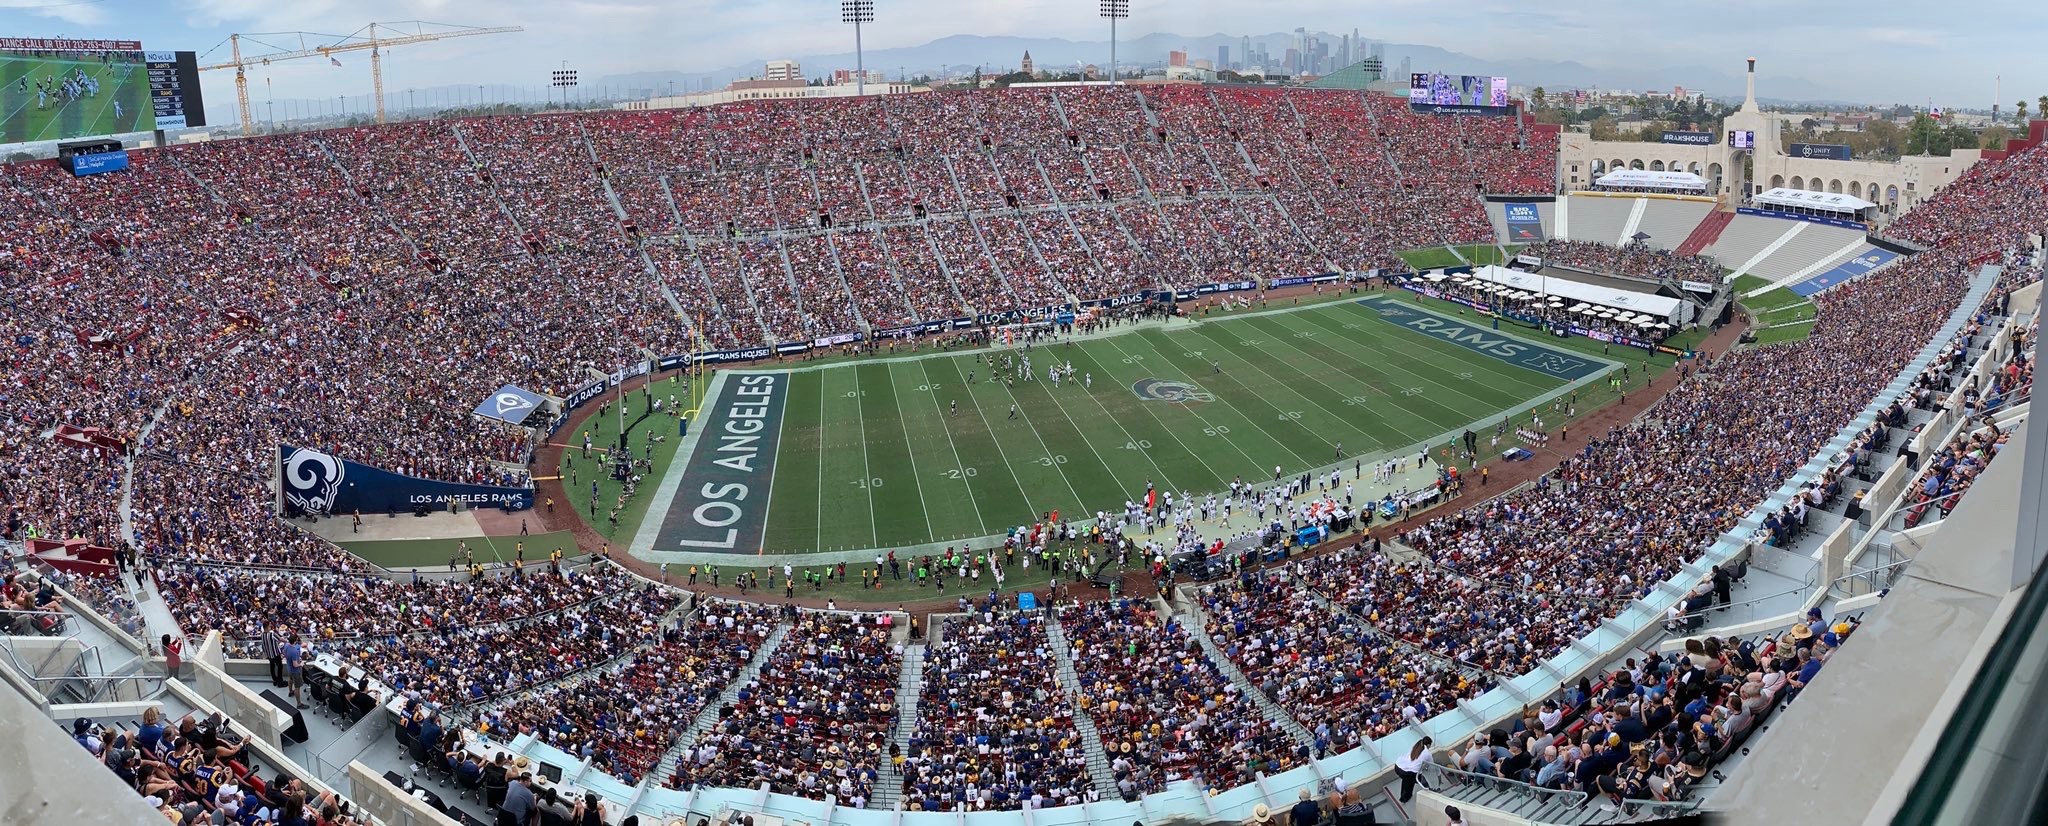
<point x="27" y="116"/>
<point x="874" y="454"/>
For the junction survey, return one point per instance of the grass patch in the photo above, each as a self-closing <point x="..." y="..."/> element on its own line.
<point x="435" y="553"/>
<point x="1780" y="335"/>
<point x="1432" y="258"/>
<point x="602" y="427"/>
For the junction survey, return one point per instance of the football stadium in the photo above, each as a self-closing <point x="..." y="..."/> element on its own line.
<point x="1280" y="439"/>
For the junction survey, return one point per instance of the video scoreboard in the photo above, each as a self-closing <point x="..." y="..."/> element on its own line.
<point x="64" y="89"/>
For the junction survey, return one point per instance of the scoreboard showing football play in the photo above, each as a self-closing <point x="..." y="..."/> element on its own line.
<point x="52" y="89"/>
<point x="1458" y="94"/>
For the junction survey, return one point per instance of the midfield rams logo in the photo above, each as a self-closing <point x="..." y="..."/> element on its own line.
<point x="1162" y="390"/>
<point x="311" y="479"/>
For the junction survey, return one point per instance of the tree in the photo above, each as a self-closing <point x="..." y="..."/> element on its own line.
<point x="2020" y="111"/>
<point x="2041" y="106"/>
<point x="1537" y="96"/>
<point x="1995" y="138"/>
<point x="1959" y="136"/>
<point x="1013" y="77"/>
<point x="1922" y="135"/>
<point x="1605" y="128"/>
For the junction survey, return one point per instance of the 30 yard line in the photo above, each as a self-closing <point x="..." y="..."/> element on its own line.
<point x="958" y="463"/>
<point x="915" y="477"/>
<point x="1091" y="445"/>
<point x="860" y="400"/>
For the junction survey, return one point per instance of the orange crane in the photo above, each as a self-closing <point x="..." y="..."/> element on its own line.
<point x="314" y="44"/>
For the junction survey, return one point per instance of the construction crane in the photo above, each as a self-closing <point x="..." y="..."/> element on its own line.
<point x="314" y="44"/>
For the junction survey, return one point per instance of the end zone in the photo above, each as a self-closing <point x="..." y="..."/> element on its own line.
<point x="1515" y="350"/>
<point x="718" y="502"/>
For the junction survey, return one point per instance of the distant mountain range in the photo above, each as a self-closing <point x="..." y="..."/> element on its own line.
<point x="961" y="53"/>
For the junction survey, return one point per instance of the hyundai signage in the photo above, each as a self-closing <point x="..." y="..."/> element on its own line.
<point x="1689" y="138"/>
<point x="1821" y="151"/>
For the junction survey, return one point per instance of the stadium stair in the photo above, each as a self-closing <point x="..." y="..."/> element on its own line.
<point x="981" y="242"/>
<point x="925" y="237"/>
<point x="1195" y="620"/>
<point x="611" y="196"/>
<point x="888" y="790"/>
<point x="1819" y="266"/>
<point x="888" y="258"/>
<point x="1084" y="725"/>
<point x="708" y="716"/>
<point x="1467" y="668"/>
<point x="1635" y="221"/>
<point x="1790" y="233"/>
<point x="1706" y="233"/>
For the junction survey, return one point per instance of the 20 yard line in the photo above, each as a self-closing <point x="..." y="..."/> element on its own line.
<point x="860" y="402"/>
<point x="958" y="464"/>
<point x="915" y="477"/>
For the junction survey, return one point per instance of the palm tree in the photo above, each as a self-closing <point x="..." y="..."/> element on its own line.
<point x="2041" y="106"/>
<point x="2021" y="108"/>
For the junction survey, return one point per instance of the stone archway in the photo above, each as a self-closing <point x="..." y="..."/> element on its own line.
<point x="1656" y="166"/>
<point x="1714" y="176"/>
<point x="1616" y="165"/>
<point x="1891" y="194"/>
<point x="1777" y="181"/>
<point x="1599" y="168"/>
<point x="1835" y="186"/>
<point x="1636" y="164"/>
<point x="1798" y="183"/>
<point x="1855" y="188"/>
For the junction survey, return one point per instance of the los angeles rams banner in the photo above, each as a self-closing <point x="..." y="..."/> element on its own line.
<point x="322" y="484"/>
<point x="510" y="405"/>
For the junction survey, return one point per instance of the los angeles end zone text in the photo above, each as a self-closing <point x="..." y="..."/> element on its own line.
<point x="723" y="503"/>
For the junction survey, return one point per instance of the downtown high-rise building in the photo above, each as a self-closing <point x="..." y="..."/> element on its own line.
<point x="1244" y="52"/>
<point x="1222" y="58"/>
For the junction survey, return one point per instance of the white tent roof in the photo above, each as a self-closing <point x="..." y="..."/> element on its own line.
<point x="1647" y="179"/>
<point x="1655" y="306"/>
<point x="1829" y="201"/>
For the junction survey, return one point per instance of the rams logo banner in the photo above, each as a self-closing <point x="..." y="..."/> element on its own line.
<point x="510" y="405"/>
<point x="320" y="483"/>
<point x="1178" y="392"/>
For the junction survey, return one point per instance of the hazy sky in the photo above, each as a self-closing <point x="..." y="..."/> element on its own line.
<point x="1879" y="51"/>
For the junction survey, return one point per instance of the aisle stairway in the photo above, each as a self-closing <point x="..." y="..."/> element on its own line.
<point x="1091" y="737"/>
<point x="1194" y="619"/>
<point x="909" y="687"/>
<point x="709" y="716"/>
<point x="1706" y="233"/>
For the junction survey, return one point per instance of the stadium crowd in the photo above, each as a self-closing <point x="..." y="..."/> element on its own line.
<point x="402" y="272"/>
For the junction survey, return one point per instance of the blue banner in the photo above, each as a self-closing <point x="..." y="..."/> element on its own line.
<point x="1849" y="270"/>
<point x="1821" y="151"/>
<point x="99" y="162"/>
<point x="1525" y="224"/>
<point x="510" y="405"/>
<point x="326" y="485"/>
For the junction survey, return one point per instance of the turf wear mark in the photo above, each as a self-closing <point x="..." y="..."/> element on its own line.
<point x="1478" y="339"/>
<point x="724" y="498"/>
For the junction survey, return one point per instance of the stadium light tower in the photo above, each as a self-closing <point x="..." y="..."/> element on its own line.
<point x="1114" y="10"/>
<point x="858" y="12"/>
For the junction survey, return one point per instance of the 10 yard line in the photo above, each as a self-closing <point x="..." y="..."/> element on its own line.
<point x="860" y="401"/>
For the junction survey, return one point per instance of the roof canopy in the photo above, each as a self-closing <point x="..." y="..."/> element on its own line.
<point x="1604" y="297"/>
<point x="1823" y="201"/>
<point x="1648" y="179"/>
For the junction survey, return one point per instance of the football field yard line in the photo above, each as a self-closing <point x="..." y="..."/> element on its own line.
<point x="1408" y="348"/>
<point x="1328" y="426"/>
<point x="1258" y="467"/>
<point x="1055" y="426"/>
<point x="1021" y="412"/>
<point x="1000" y="453"/>
<point x="916" y="478"/>
<point x="1341" y="416"/>
<point x="1284" y="446"/>
<point x="1393" y="364"/>
<point x="959" y="465"/>
<point x="1083" y="352"/>
<point x="1435" y="368"/>
<point x="860" y="398"/>
<point x="1273" y="412"/>
<point x="1047" y="389"/>
<point x="781" y="425"/>
<point x="818" y="541"/>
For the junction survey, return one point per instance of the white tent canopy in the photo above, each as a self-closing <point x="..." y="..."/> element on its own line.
<point x="1649" y="179"/>
<point x="1644" y="304"/>
<point x="1823" y="201"/>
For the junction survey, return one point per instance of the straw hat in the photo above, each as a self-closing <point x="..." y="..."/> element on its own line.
<point x="1262" y="814"/>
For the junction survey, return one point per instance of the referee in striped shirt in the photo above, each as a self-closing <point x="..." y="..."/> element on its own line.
<point x="271" y="644"/>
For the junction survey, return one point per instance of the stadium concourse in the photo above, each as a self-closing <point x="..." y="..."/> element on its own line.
<point x="202" y="314"/>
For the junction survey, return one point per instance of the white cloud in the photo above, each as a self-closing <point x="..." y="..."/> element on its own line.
<point x="80" y="12"/>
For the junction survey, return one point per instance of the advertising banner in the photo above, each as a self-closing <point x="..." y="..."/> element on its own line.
<point x="98" y="162"/>
<point x="1819" y="151"/>
<point x="510" y="405"/>
<point x="325" y="485"/>
<point x="1795" y="216"/>
<point x="1697" y="286"/>
<point x="1742" y="139"/>
<point x="1525" y="225"/>
<point x="1689" y="138"/>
